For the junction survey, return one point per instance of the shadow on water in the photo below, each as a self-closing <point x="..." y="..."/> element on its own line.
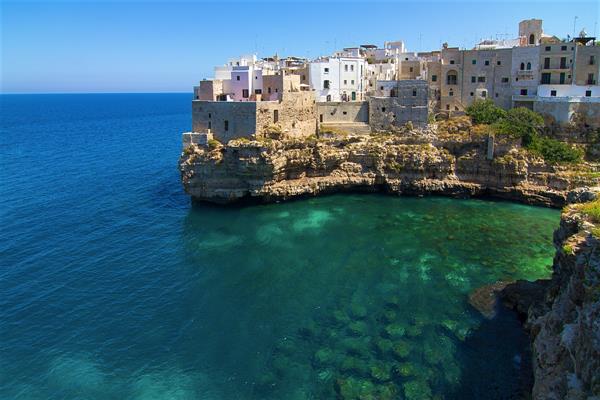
<point x="496" y="360"/>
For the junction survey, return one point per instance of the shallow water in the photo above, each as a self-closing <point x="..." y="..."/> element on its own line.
<point x="112" y="286"/>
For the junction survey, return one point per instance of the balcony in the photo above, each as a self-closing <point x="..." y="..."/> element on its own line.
<point x="525" y="74"/>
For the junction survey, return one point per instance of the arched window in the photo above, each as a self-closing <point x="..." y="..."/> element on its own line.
<point x="528" y="66"/>
<point x="522" y="66"/>
<point x="452" y="77"/>
<point x="532" y="39"/>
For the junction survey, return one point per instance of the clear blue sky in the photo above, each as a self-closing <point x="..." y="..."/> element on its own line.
<point x="153" y="46"/>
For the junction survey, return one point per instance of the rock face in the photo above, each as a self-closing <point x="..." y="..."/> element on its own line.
<point x="415" y="164"/>
<point x="565" y="325"/>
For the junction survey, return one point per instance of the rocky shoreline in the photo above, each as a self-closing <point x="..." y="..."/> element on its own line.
<point x="561" y="314"/>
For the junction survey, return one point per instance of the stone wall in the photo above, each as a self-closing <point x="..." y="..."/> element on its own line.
<point x="562" y="111"/>
<point x="296" y="115"/>
<point x="336" y="111"/>
<point x="226" y="119"/>
<point x="411" y="104"/>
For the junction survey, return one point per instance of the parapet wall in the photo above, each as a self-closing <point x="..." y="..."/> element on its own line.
<point x="226" y="119"/>
<point x="343" y="111"/>
<point x="563" y="111"/>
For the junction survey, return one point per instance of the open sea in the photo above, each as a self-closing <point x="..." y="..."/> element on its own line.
<point x="112" y="286"/>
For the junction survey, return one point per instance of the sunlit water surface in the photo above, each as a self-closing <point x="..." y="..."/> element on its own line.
<point x="113" y="287"/>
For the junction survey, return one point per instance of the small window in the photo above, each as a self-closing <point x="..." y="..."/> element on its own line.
<point x="523" y="92"/>
<point x="414" y="92"/>
<point x="448" y="107"/>
<point x="345" y="81"/>
<point x="548" y="48"/>
<point x="484" y="93"/>
<point x="505" y="80"/>
<point x="209" y="115"/>
<point x="451" y="93"/>
<point x="522" y="66"/>
<point x="592" y="60"/>
<point x="209" y="125"/>
<point x="352" y="67"/>
<point x="352" y="82"/>
<point x="553" y="93"/>
<point x="498" y="62"/>
<point x="346" y="67"/>
<point x="487" y="62"/>
<point x="345" y="112"/>
<point x="237" y="77"/>
<point x="451" y="61"/>
<point x="269" y="90"/>
<point x="245" y="93"/>
<point x="326" y="70"/>
<point x="326" y="84"/>
<point x="276" y="90"/>
<point x="275" y="116"/>
<point x="256" y="77"/>
<point x="563" y="48"/>
<point x="382" y="109"/>
<point x="410" y="69"/>
<point x="496" y="94"/>
<point x="257" y="91"/>
<point x="226" y="125"/>
<point x="588" y="93"/>
<point x="473" y="62"/>
<point x="303" y="77"/>
<point x="455" y="108"/>
<point x="481" y="79"/>
<point x="381" y="88"/>
<point x="471" y="94"/>
<point x="528" y="66"/>
<point x="473" y="79"/>
<point x="433" y="78"/>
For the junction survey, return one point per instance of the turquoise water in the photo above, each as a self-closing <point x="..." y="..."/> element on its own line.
<point x="113" y="286"/>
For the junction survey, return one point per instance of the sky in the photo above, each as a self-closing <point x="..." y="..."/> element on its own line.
<point x="157" y="46"/>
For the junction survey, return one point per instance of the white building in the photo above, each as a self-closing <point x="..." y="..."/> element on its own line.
<point x="338" y="78"/>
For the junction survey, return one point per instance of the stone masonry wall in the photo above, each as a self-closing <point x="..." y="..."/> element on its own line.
<point x="337" y="111"/>
<point x="226" y="119"/>
<point x="296" y="113"/>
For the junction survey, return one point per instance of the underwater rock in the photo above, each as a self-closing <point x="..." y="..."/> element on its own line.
<point x="309" y="331"/>
<point x="414" y="330"/>
<point x="285" y="346"/>
<point x="389" y="316"/>
<point x="395" y="331"/>
<point x="266" y="381"/>
<point x="380" y="372"/>
<point x="354" y="389"/>
<point x="393" y="302"/>
<point x="324" y="356"/>
<point x="401" y="349"/>
<point x="358" y="311"/>
<point x="324" y="376"/>
<point x="417" y="390"/>
<point x="406" y="369"/>
<point x="358" y="328"/>
<point x="340" y="317"/>
<point x="355" y="346"/>
<point x="354" y="365"/>
<point x="383" y="346"/>
<point x="484" y="299"/>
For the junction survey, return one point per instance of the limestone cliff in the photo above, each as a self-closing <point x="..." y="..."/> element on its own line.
<point x="565" y="325"/>
<point x="414" y="164"/>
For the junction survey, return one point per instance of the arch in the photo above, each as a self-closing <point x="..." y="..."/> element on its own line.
<point x="532" y="39"/>
<point x="522" y="66"/>
<point x="452" y="77"/>
<point x="528" y="66"/>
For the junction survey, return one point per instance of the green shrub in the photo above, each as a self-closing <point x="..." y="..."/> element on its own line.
<point x="213" y="144"/>
<point x="485" y="112"/>
<point x="554" y="151"/>
<point x="568" y="249"/>
<point x="521" y="123"/>
<point x="592" y="210"/>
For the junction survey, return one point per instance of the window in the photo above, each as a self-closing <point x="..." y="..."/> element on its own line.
<point x="448" y="107"/>
<point x="257" y="91"/>
<point x="352" y="82"/>
<point x="209" y="115"/>
<point x="382" y="109"/>
<point x="275" y="116"/>
<point x="381" y="88"/>
<point x="588" y="93"/>
<point x="433" y="78"/>
<point x="256" y="77"/>
<point x="353" y="95"/>
<point x="455" y="108"/>
<point x="473" y="79"/>
<point x="269" y="90"/>
<point x="473" y="62"/>
<point x="548" y="48"/>
<point x="498" y="62"/>
<point x="562" y="78"/>
<point x="523" y="92"/>
<point x="546" y="63"/>
<point x="481" y="79"/>
<point x="237" y="77"/>
<point x="452" y="78"/>
<point x="563" y="62"/>
<point x="528" y="66"/>
<point x="328" y="97"/>
<point x="590" y="80"/>
<point x="471" y="94"/>
<point x="346" y="67"/>
<point x="496" y="94"/>
<point x="209" y="125"/>
<point x="505" y="80"/>
<point x="325" y="84"/>
<point x="451" y="61"/>
<point x="410" y="69"/>
<point x="563" y="48"/>
<point x="553" y="93"/>
<point x="352" y="67"/>
<point x="592" y="60"/>
<point x="276" y="90"/>
<point x="226" y="125"/>
<point x="345" y="112"/>
<point x="326" y="70"/>
<point x="414" y="92"/>
<point x="345" y="81"/>
<point x="487" y="62"/>
<point x="303" y="77"/>
<point x="522" y="66"/>
<point x="451" y="93"/>
<point x="483" y="93"/>
<point x="532" y="39"/>
<point x="546" y="78"/>
<point x="245" y="93"/>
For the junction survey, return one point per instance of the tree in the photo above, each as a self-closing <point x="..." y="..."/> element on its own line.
<point x="485" y="112"/>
